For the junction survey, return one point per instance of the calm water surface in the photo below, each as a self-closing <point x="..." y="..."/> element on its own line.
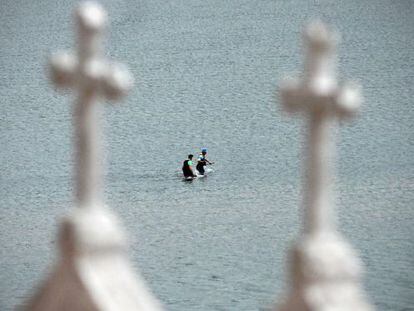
<point x="206" y="74"/>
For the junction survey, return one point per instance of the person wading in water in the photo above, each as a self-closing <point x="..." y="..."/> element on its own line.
<point x="202" y="161"/>
<point x="187" y="170"/>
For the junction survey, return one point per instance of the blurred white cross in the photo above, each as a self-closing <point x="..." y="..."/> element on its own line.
<point x="318" y="95"/>
<point x="93" y="78"/>
<point x="325" y="270"/>
<point x="93" y="271"/>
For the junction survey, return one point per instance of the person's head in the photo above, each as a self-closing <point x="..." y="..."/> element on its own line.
<point x="204" y="151"/>
<point x="190" y="156"/>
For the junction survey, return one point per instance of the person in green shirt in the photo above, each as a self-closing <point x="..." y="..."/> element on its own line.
<point x="187" y="170"/>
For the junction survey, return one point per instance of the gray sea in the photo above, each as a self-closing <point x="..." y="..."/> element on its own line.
<point x="206" y="75"/>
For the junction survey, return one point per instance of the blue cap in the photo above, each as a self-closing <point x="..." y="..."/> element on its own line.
<point x="204" y="150"/>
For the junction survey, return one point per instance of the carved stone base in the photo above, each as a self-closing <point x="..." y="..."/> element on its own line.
<point x="326" y="276"/>
<point x="93" y="272"/>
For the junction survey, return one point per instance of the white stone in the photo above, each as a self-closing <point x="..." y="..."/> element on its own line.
<point x="92" y="272"/>
<point x="325" y="271"/>
<point x="93" y="78"/>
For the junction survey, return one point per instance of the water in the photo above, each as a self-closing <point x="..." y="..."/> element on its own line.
<point x="206" y="74"/>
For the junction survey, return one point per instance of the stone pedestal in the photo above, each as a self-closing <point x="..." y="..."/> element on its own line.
<point x="325" y="275"/>
<point x="93" y="271"/>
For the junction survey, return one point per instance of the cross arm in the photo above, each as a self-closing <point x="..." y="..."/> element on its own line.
<point x="110" y="80"/>
<point x="342" y="102"/>
<point x="292" y="95"/>
<point x="116" y="81"/>
<point x="348" y="100"/>
<point x="63" y="67"/>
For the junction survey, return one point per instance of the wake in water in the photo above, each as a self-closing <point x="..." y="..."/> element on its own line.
<point x="207" y="171"/>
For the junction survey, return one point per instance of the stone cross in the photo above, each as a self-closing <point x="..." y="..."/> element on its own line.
<point x="318" y="95"/>
<point x="93" y="271"/>
<point x="325" y="271"/>
<point x="93" y="78"/>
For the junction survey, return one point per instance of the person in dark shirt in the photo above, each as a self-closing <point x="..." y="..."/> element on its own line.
<point x="202" y="161"/>
<point x="187" y="164"/>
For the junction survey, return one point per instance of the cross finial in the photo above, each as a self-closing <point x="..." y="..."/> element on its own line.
<point x="320" y="97"/>
<point x="93" y="271"/>
<point x="318" y="90"/>
<point x="93" y="78"/>
<point x="325" y="271"/>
